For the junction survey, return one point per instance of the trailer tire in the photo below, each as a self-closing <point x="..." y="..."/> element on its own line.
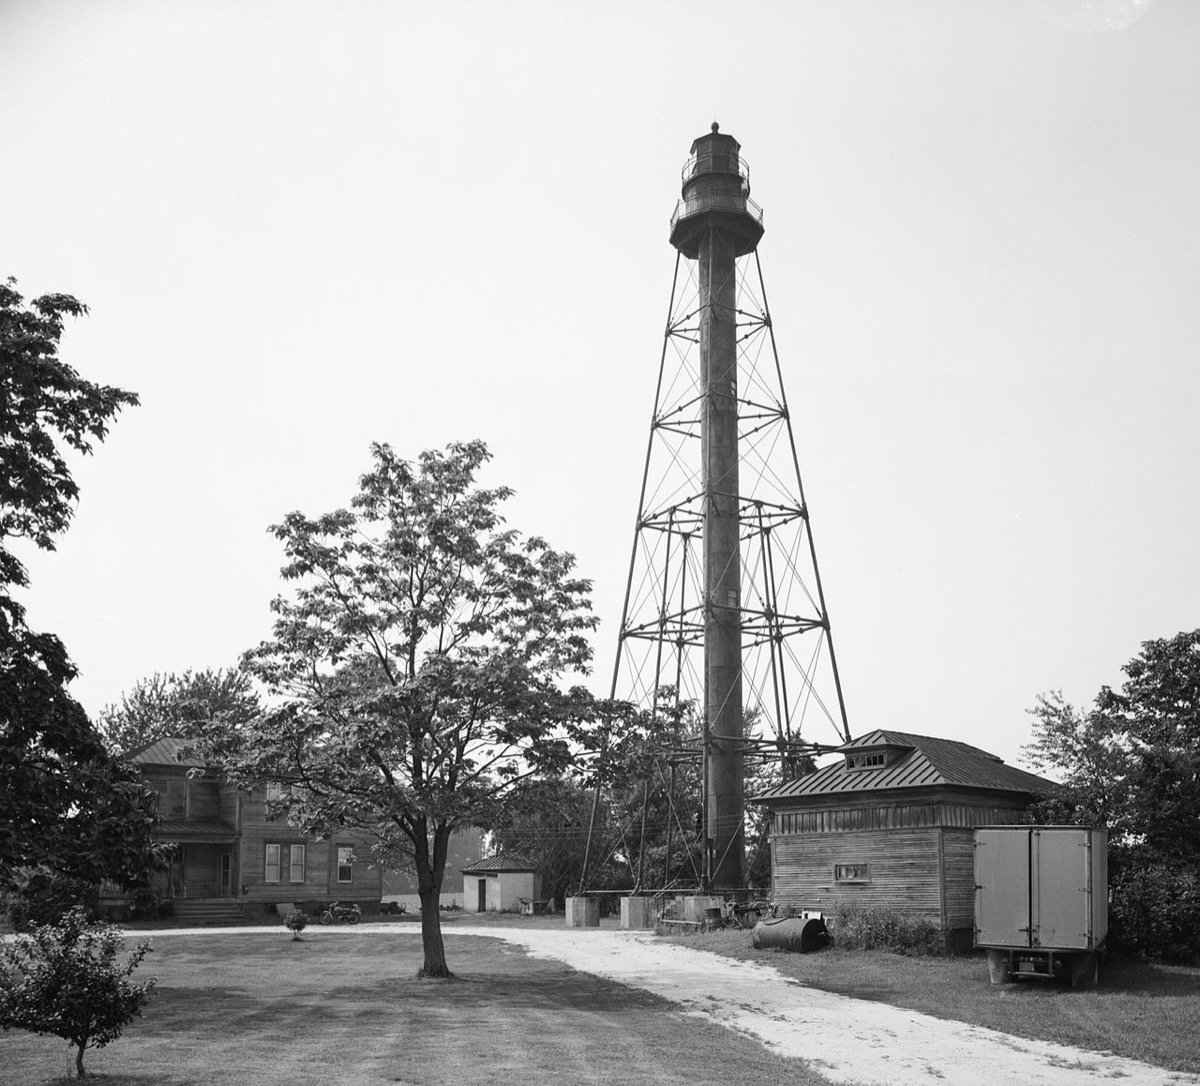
<point x="998" y="968"/>
<point x="1085" y="970"/>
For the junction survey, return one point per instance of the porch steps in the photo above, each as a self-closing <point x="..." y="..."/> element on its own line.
<point x="208" y="911"/>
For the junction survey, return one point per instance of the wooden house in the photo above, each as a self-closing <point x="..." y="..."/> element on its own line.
<point x="229" y="857"/>
<point x="500" y="884"/>
<point x="890" y="824"/>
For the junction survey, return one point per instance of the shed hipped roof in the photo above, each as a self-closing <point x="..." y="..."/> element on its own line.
<point x="918" y="761"/>
<point x="499" y="863"/>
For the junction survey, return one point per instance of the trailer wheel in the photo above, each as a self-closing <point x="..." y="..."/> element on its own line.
<point x="998" y="969"/>
<point x="1085" y="970"/>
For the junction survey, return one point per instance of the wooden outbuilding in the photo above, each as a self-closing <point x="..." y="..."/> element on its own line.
<point x="500" y="884"/>
<point x="890" y="824"/>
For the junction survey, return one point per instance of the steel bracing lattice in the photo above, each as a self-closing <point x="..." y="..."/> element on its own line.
<point x="790" y="682"/>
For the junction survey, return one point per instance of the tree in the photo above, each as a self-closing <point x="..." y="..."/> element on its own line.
<point x="44" y="404"/>
<point x="171" y="705"/>
<point x="67" y="806"/>
<point x="1158" y="708"/>
<point x="545" y="822"/>
<point x="1132" y="763"/>
<point x="1090" y="753"/>
<point x="413" y="678"/>
<point x="65" y="980"/>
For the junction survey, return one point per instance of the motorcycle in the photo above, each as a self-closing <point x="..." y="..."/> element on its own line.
<point x="336" y="911"/>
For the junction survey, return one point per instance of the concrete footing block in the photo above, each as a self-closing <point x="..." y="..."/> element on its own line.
<point x="696" y="906"/>
<point x="583" y="912"/>
<point x="637" y="913"/>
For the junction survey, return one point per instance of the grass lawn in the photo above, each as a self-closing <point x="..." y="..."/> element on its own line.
<point x="1146" y="1012"/>
<point x="346" y="1008"/>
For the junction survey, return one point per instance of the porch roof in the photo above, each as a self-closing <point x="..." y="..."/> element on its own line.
<point x="180" y="831"/>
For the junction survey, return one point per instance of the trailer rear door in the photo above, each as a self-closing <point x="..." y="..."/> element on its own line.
<point x="1062" y="888"/>
<point x="1002" y="887"/>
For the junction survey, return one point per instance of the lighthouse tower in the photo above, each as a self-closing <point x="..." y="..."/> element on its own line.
<point x="724" y="610"/>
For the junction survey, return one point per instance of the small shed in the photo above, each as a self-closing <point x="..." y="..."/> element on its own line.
<point x="500" y="884"/>
<point x="890" y="824"/>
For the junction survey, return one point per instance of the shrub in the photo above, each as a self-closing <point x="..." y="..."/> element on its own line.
<point x="145" y="904"/>
<point x="64" y="979"/>
<point x="868" y="927"/>
<point x="42" y="897"/>
<point x="1155" y="911"/>
<point x="295" y="922"/>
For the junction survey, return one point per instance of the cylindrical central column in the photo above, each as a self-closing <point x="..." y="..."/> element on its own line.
<point x="722" y="565"/>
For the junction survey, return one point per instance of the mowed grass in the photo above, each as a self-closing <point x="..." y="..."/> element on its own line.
<point x="342" y="1008"/>
<point x="1143" y="1011"/>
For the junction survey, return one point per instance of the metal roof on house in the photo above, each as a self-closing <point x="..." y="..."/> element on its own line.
<point x="499" y="863"/>
<point x="165" y="751"/>
<point x="918" y="761"/>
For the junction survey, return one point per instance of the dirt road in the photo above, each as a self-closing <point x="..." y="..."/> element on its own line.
<point x="847" y="1040"/>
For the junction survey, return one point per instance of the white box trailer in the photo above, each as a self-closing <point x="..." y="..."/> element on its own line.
<point x="1041" y="901"/>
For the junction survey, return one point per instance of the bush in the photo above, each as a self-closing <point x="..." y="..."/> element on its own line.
<point x="42" y="897"/>
<point x="867" y="927"/>
<point x="64" y="979"/>
<point x="295" y="922"/>
<point x="145" y="904"/>
<point x="1155" y="910"/>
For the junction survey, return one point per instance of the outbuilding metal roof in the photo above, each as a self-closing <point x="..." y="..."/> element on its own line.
<point x="499" y="863"/>
<point x="915" y="761"/>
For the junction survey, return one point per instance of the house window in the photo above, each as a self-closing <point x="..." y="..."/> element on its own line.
<point x="874" y="760"/>
<point x="296" y="868"/>
<point x="345" y="862"/>
<point x="272" y="870"/>
<point x="851" y="872"/>
<point x="177" y="798"/>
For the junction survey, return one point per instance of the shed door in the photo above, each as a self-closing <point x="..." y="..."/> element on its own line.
<point x="482" y="884"/>
<point x="1002" y="887"/>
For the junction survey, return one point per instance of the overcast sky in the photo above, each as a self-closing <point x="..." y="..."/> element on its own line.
<point x="302" y="226"/>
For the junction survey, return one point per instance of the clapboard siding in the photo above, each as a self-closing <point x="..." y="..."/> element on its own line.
<point x="903" y="869"/>
<point x="204" y="800"/>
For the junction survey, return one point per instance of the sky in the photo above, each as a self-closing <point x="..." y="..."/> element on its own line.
<point x="302" y="226"/>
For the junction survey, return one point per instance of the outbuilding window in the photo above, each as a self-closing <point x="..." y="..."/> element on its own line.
<point x="851" y="872"/>
<point x="875" y="759"/>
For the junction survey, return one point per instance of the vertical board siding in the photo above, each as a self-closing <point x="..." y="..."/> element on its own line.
<point x="960" y="878"/>
<point x="891" y="816"/>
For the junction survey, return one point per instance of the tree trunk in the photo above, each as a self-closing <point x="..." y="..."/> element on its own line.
<point x="79" y="1048"/>
<point x="430" y="869"/>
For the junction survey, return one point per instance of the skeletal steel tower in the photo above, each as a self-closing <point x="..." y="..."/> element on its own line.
<point x="723" y="578"/>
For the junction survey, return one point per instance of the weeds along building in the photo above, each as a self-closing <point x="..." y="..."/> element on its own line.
<point x="890" y="825"/>
<point x="228" y="856"/>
